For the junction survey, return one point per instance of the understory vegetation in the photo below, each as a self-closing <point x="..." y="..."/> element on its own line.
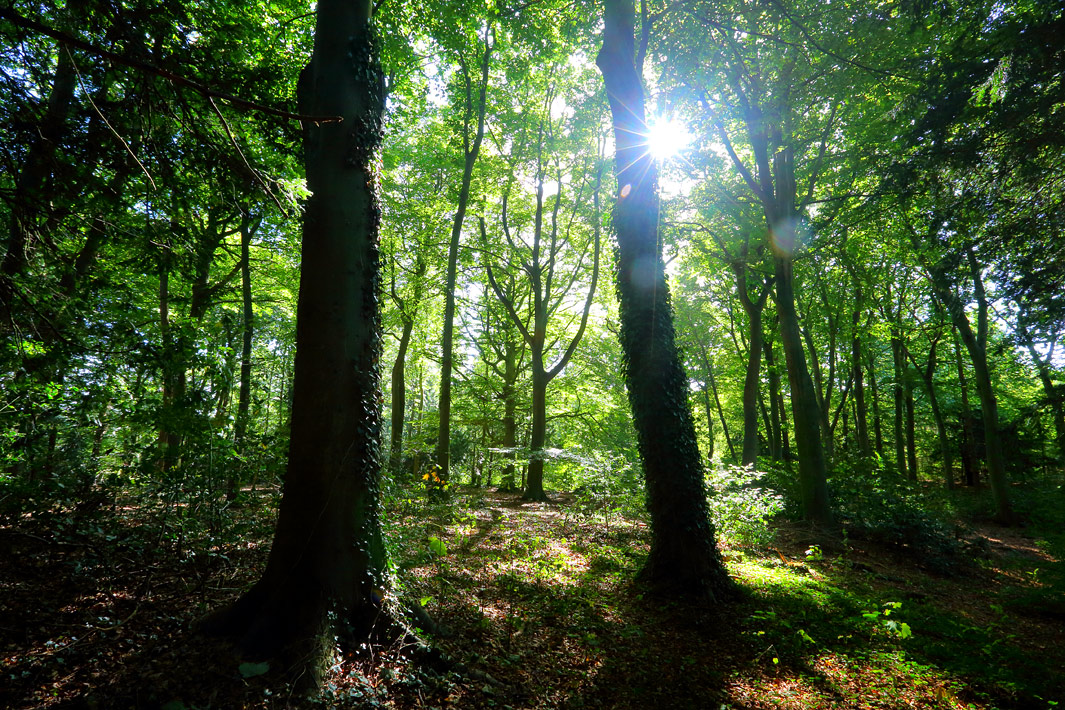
<point x="920" y="602"/>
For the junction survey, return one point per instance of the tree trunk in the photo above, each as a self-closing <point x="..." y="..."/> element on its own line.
<point x="399" y="395"/>
<point x="470" y="151"/>
<point x="900" y="404"/>
<point x="684" y="559"/>
<point x="534" y="485"/>
<point x="976" y="345"/>
<point x="911" y="433"/>
<point x="709" y="424"/>
<point x="861" y="418"/>
<point x="813" y="479"/>
<point x="751" y="381"/>
<point x="510" y="428"/>
<point x="326" y="567"/>
<point x="775" y="396"/>
<point x="248" y="331"/>
<point x="967" y="444"/>
<point x="874" y="391"/>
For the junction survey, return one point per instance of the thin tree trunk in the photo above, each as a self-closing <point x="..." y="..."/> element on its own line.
<point x="248" y="332"/>
<point x="471" y="150"/>
<point x="775" y="397"/>
<point x="976" y="345"/>
<point x="874" y="391"/>
<point x="813" y="478"/>
<point x="709" y="424"/>
<point x="865" y="448"/>
<point x="900" y="403"/>
<point x="911" y="433"/>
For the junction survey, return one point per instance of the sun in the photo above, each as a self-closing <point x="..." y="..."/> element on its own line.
<point x="666" y="137"/>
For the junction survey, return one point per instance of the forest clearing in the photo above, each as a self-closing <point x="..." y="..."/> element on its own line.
<point x="532" y="354"/>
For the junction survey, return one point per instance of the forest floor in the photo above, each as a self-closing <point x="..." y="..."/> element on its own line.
<point x="98" y="610"/>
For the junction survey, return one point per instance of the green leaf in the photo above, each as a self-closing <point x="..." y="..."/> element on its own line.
<point x="437" y="546"/>
<point x="250" y="670"/>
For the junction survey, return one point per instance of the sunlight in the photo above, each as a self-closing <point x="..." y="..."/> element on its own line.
<point x="666" y="137"/>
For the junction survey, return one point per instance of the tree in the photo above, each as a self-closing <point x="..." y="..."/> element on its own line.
<point x="684" y="559"/>
<point x="541" y="253"/>
<point x="325" y="573"/>
<point x="474" y="107"/>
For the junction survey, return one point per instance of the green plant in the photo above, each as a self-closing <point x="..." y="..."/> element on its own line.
<point x="742" y="504"/>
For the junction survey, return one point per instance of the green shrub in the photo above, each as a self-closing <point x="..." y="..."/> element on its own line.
<point x="742" y="504"/>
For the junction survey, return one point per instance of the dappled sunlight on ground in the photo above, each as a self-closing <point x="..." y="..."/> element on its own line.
<point x="540" y="598"/>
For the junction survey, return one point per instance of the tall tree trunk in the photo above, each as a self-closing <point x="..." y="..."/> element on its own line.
<point x="407" y="312"/>
<point x="720" y="409"/>
<point x="865" y="448"/>
<point x="399" y="395"/>
<point x="534" y="486"/>
<point x="753" y="309"/>
<point x="911" y="433"/>
<point x="813" y="477"/>
<point x="976" y="345"/>
<point x="775" y="397"/>
<point x="510" y="405"/>
<point x="709" y="424"/>
<point x="471" y="149"/>
<point x="326" y="568"/>
<point x="900" y="402"/>
<point x="684" y="559"/>
<point x="247" y="231"/>
<point x="874" y="391"/>
<point x="967" y="444"/>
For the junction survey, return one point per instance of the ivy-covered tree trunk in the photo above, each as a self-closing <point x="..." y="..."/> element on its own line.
<point x="684" y="559"/>
<point x="326" y="567"/>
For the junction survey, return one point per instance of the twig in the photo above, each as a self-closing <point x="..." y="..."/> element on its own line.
<point x="106" y="122"/>
<point x="255" y="175"/>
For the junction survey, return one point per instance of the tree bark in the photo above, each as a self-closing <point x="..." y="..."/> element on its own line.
<point x="775" y="396"/>
<point x="399" y="367"/>
<point x="976" y="345"/>
<point x="753" y="308"/>
<point x="805" y="412"/>
<point x="684" y="559"/>
<point x="247" y="230"/>
<point x="911" y="427"/>
<point x="861" y="418"/>
<point x="326" y="567"/>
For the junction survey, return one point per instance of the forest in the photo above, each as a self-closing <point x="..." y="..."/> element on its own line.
<point x="532" y="354"/>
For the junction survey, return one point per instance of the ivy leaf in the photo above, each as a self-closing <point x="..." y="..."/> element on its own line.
<point x="250" y="670"/>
